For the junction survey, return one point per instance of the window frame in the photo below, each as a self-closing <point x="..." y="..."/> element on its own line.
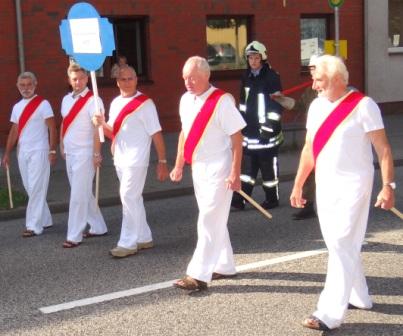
<point x="230" y="73"/>
<point x="145" y="57"/>
<point x="329" y="19"/>
<point x="394" y="49"/>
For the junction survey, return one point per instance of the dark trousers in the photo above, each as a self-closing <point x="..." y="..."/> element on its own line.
<point x="265" y="161"/>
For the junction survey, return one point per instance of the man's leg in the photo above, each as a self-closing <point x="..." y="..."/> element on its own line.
<point x="268" y="162"/>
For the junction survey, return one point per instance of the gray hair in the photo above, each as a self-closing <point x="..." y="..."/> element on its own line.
<point x="332" y="66"/>
<point x="29" y="75"/>
<point x="126" y="67"/>
<point x="200" y="63"/>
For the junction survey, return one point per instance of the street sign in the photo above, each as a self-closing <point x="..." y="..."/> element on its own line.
<point x="86" y="37"/>
<point x="335" y="3"/>
<point x="330" y="48"/>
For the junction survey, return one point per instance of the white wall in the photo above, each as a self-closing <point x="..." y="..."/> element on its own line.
<point x="383" y="69"/>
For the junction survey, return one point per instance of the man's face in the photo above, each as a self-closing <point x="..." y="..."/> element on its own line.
<point x="312" y="70"/>
<point x="196" y="81"/>
<point x="78" y="81"/>
<point x="26" y="86"/>
<point x="127" y="82"/>
<point x="255" y="61"/>
<point x="322" y="84"/>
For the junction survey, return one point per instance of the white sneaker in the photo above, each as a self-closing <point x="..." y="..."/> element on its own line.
<point x="145" y="245"/>
<point x="121" y="252"/>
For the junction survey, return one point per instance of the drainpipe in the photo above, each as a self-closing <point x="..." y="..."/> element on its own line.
<point x="20" y="38"/>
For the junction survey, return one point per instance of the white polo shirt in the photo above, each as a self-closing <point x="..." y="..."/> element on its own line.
<point x="35" y="133"/>
<point x="225" y="122"/>
<point x="133" y="142"/>
<point x="79" y="138"/>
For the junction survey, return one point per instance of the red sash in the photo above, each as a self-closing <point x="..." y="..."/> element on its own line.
<point x="74" y="111"/>
<point x="131" y="107"/>
<point x="200" y="124"/>
<point x="28" y="112"/>
<point x="334" y="119"/>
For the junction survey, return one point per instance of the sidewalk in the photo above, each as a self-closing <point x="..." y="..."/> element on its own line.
<point x="58" y="193"/>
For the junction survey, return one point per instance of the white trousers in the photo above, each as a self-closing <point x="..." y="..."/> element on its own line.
<point x="35" y="170"/>
<point x="83" y="208"/>
<point x="213" y="251"/>
<point x="343" y="225"/>
<point x="135" y="228"/>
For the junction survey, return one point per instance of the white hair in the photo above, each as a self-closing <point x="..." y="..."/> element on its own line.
<point x="126" y="67"/>
<point x="200" y="63"/>
<point x="332" y="66"/>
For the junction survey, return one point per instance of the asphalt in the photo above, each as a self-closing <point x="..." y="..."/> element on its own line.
<point x="58" y="192"/>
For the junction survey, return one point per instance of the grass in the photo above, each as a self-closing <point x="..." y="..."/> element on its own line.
<point x="19" y="199"/>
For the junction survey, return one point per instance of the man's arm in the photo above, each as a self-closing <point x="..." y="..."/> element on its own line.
<point x="177" y="173"/>
<point x="11" y="141"/>
<point x="306" y="164"/>
<point x="386" y="197"/>
<point x="159" y="144"/>
<point x="51" y="124"/>
<point x="233" y="180"/>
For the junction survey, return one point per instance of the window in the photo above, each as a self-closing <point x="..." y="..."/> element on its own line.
<point x="314" y="32"/>
<point x="227" y="38"/>
<point x="395" y="23"/>
<point x="130" y="41"/>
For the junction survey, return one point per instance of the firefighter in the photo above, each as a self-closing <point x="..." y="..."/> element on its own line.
<point x="262" y="135"/>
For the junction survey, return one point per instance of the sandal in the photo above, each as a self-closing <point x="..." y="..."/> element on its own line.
<point x="88" y="234"/>
<point x="312" y="322"/>
<point x="188" y="283"/>
<point x="70" y="244"/>
<point x="28" y="233"/>
<point x="219" y="276"/>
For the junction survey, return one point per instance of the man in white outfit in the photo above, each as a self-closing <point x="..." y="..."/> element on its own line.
<point x="32" y="118"/>
<point x="341" y="126"/>
<point x="213" y="146"/>
<point x="81" y="148"/>
<point x="133" y="124"/>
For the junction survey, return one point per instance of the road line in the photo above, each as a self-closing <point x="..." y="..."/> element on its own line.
<point x="167" y="284"/>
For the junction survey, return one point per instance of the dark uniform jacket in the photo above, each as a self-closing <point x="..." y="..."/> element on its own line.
<point x="262" y="114"/>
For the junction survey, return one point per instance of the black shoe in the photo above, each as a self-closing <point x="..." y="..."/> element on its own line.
<point x="269" y="204"/>
<point x="305" y="213"/>
<point x="238" y="204"/>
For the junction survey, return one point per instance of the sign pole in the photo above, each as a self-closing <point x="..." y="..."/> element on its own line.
<point x="10" y="191"/>
<point x="336" y="31"/>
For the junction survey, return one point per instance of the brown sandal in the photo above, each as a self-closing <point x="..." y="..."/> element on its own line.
<point x="312" y="322"/>
<point x="219" y="276"/>
<point x="70" y="244"/>
<point x="189" y="283"/>
<point x="28" y="233"/>
<point x="88" y="234"/>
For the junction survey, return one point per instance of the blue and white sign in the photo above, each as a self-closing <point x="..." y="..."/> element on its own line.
<point x="87" y="37"/>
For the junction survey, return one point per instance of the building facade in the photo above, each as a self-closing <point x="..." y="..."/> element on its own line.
<point x="158" y="36"/>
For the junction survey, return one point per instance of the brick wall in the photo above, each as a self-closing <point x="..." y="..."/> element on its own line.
<point x="176" y="31"/>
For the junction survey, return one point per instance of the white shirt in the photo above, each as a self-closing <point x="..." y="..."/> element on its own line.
<point x="35" y="133"/>
<point x="79" y="138"/>
<point x="133" y="141"/>
<point x="225" y="122"/>
<point x="348" y="153"/>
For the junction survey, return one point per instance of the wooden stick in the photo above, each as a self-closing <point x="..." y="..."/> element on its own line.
<point x="255" y="204"/>
<point x="10" y="192"/>
<point x="97" y="109"/>
<point x="397" y="213"/>
<point x="97" y="185"/>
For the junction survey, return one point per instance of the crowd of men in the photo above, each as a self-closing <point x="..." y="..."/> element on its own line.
<point x="226" y="149"/>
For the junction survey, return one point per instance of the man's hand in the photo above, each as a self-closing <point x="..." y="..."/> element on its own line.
<point x="5" y="161"/>
<point x="233" y="182"/>
<point x="52" y="158"/>
<point x="176" y="174"/>
<point x="386" y="198"/>
<point x="97" y="160"/>
<point x="162" y="171"/>
<point x="98" y="120"/>
<point x="296" y="199"/>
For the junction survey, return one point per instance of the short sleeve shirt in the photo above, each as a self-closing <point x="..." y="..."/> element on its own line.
<point x="133" y="141"/>
<point x="35" y="133"/>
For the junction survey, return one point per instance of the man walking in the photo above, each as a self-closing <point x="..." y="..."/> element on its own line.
<point x="80" y="146"/>
<point x="211" y="141"/>
<point x="32" y="118"/>
<point x="341" y="126"/>
<point x="133" y="123"/>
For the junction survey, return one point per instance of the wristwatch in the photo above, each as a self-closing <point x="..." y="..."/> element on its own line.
<point x="391" y="184"/>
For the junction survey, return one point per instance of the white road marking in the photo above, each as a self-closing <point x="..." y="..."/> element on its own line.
<point x="167" y="284"/>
